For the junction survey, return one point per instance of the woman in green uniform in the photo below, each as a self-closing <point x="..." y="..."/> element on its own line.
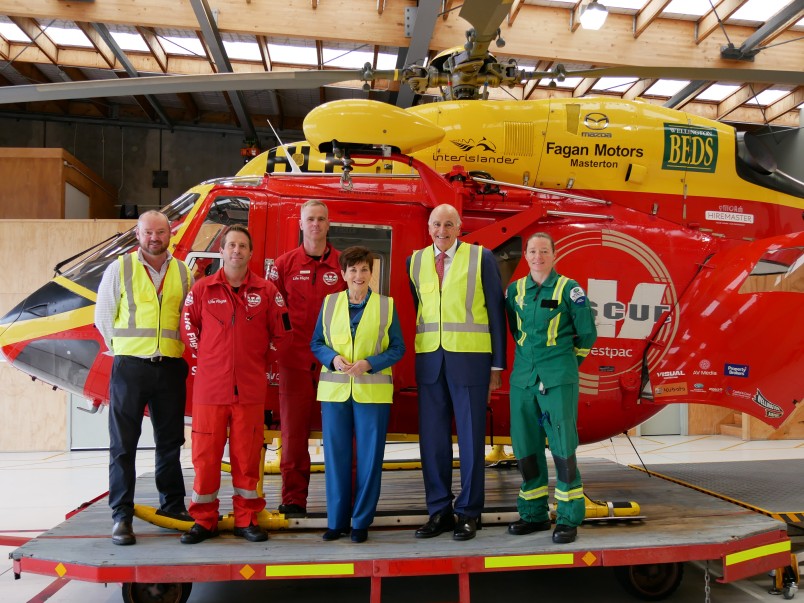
<point x="554" y="329"/>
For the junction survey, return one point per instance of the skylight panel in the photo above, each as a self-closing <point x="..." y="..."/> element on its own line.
<point x="63" y="36"/>
<point x="614" y="84"/>
<point x="292" y="54"/>
<point x="759" y="10"/>
<point x="12" y="33"/>
<point x="245" y="51"/>
<point x="666" y="88"/>
<point x="129" y="41"/>
<point x="570" y="82"/>
<point x="717" y="92"/>
<point x="348" y="59"/>
<point x="687" y="7"/>
<point x="768" y="97"/>
<point x="183" y="46"/>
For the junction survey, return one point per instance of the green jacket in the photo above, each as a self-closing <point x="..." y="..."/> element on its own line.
<point x="553" y="327"/>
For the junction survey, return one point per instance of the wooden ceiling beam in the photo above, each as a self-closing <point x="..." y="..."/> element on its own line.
<point x="732" y="102"/>
<point x="647" y="15"/>
<point x="265" y="53"/>
<point x="38" y="37"/>
<point x="4" y="49"/>
<point x="97" y="41"/>
<point x="514" y="11"/>
<point x="190" y="106"/>
<point x="584" y="86"/>
<point x="709" y="23"/>
<point x="157" y="51"/>
<point x="787" y="103"/>
<point x="636" y="90"/>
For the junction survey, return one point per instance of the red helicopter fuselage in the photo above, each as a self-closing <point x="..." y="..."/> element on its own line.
<point x="663" y="292"/>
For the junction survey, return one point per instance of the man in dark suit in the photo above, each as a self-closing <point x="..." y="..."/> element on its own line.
<point x="460" y="351"/>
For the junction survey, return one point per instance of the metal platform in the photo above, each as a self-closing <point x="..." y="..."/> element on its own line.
<point x="680" y="525"/>
<point x="773" y="488"/>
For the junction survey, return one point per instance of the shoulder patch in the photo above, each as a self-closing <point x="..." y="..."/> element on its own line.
<point x="578" y="296"/>
<point x="279" y="300"/>
<point x="188" y="301"/>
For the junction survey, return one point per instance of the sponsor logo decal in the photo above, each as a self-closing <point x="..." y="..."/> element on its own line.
<point x="468" y="145"/>
<point x="667" y="374"/>
<point x="299" y="277"/>
<point x="216" y="300"/>
<point x="710" y="373"/>
<point x="704" y="365"/>
<point x="772" y="411"/>
<point x="738" y="393"/>
<point x="253" y="299"/>
<point x="698" y="386"/>
<point x="596" y="121"/>
<point x="727" y="216"/>
<point x="578" y="296"/>
<point x="670" y="389"/>
<point x="330" y="278"/>
<point x="612" y="352"/>
<point x="689" y="148"/>
<point x="638" y="316"/>
<point x="279" y="300"/>
<point x="606" y="369"/>
<point x="716" y="390"/>
<point x="736" y="370"/>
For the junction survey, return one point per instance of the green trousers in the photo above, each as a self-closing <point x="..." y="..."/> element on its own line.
<point x="552" y="413"/>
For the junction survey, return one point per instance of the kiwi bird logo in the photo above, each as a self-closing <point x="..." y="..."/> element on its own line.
<point x="484" y="144"/>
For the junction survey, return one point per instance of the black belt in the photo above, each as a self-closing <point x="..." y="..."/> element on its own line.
<point x="154" y="359"/>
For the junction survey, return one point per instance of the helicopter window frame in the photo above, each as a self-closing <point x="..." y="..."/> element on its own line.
<point x="778" y="270"/>
<point x="342" y="235"/>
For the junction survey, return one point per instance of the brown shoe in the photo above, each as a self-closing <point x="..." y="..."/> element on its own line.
<point x="123" y="533"/>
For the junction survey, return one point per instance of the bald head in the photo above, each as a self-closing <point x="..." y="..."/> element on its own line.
<point x="444" y="226"/>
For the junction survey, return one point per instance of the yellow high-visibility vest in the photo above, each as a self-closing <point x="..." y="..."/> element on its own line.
<point x="371" y="338"/>
<point x="455" y="316"/>
<point x="145" y="321"/>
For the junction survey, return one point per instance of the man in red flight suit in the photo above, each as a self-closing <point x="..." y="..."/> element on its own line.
<point x="231" y="320"/>
<point x="304" y="276"/>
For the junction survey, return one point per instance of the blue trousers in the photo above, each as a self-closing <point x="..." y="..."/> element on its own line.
<point x="366" y="425"/>
<point x="438" y="404"/>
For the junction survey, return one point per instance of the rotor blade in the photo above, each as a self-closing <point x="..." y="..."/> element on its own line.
<point x="485" y="16"/>
<point x="168" y="84"/>
<point x="714" y="74"/>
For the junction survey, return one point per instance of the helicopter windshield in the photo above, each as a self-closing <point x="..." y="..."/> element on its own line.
<point x="88" y="272"/>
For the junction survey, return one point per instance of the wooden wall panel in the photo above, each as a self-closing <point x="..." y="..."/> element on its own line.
<point x="33" y="416"/>
<point x="704" y="419"/>
<point x="32" y="184"/>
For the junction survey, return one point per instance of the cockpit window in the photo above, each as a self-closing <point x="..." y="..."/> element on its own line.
<point x="778" y="270"/>
<point x="88" y="271"/>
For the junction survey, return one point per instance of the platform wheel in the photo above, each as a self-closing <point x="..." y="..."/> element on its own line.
<point x="650" y="582"/>
<point x="789" y="591"/>
<point x="168" y="592"/>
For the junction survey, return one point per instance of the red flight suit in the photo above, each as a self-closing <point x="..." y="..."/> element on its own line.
<point x="304" y="282"/>
<point x="231" y="334"/>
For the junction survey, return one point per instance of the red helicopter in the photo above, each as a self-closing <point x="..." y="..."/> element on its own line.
<point x="691" y="290"/>
<point x="685" y="234"/>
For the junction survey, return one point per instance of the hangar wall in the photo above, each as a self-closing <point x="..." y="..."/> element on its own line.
<point x="34" y="417"/>
<point x="127" y="157"/>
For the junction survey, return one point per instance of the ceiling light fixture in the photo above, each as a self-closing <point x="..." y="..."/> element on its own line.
<point x="594" y="15"/>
